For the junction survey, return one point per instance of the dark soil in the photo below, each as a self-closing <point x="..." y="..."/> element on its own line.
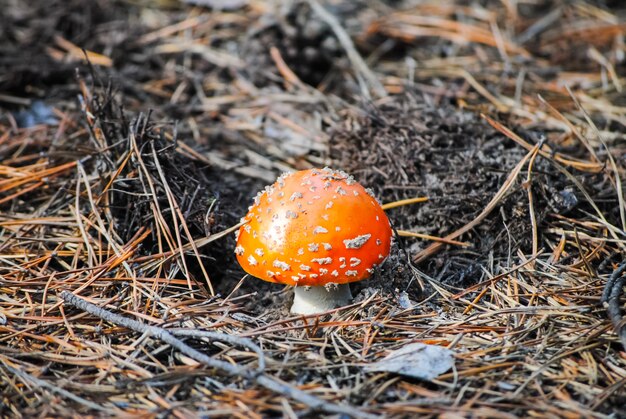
<point x="408" y="148"/>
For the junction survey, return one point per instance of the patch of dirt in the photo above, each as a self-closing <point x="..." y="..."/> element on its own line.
<point x="33" y="32"/>
<point x="407" y="148"/>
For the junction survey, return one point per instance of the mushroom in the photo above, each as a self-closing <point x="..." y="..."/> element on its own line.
<point x="317" y="230"/>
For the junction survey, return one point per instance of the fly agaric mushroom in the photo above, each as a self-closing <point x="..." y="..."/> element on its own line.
<point x="317" y="230"/>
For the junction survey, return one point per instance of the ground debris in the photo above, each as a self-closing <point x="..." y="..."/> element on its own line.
<point x="164" y="119"/>
<point x="415" y="360"/>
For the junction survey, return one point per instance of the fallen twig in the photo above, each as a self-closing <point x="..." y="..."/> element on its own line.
<point x="257" y="375"/>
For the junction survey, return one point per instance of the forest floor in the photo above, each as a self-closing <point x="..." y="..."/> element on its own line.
<point x="134" y="135"/>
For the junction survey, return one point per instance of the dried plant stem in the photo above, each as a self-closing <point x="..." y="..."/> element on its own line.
<point x="404" y="233"/>
<point x="257" y="375"/>
<point x="618" y="180"/>
<point x="175" y="208"/>
<point x="531" y="205"/>
<point x="395" y="204"/>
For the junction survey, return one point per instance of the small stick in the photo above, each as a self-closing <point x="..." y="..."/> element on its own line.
<point x="257" y="376"/>
<point x="234" y="340"/>
<point x="618" y="181"/>
<point x="156" y="332"/>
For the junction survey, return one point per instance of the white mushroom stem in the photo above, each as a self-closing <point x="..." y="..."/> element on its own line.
<point x="313" y="300"/>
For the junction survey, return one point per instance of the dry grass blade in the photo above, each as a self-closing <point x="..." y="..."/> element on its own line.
<point x="408" y="201"/>
<point x="531" y="206"/>
<point x="411" y="25"/>
<point x="179" y="218"/>
<point x="618" y="180"/>
<point x="404" y="233"/>
<point x="583" y="166"/>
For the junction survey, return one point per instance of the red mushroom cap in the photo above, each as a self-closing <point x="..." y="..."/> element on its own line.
<point x="314" y="227"/>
